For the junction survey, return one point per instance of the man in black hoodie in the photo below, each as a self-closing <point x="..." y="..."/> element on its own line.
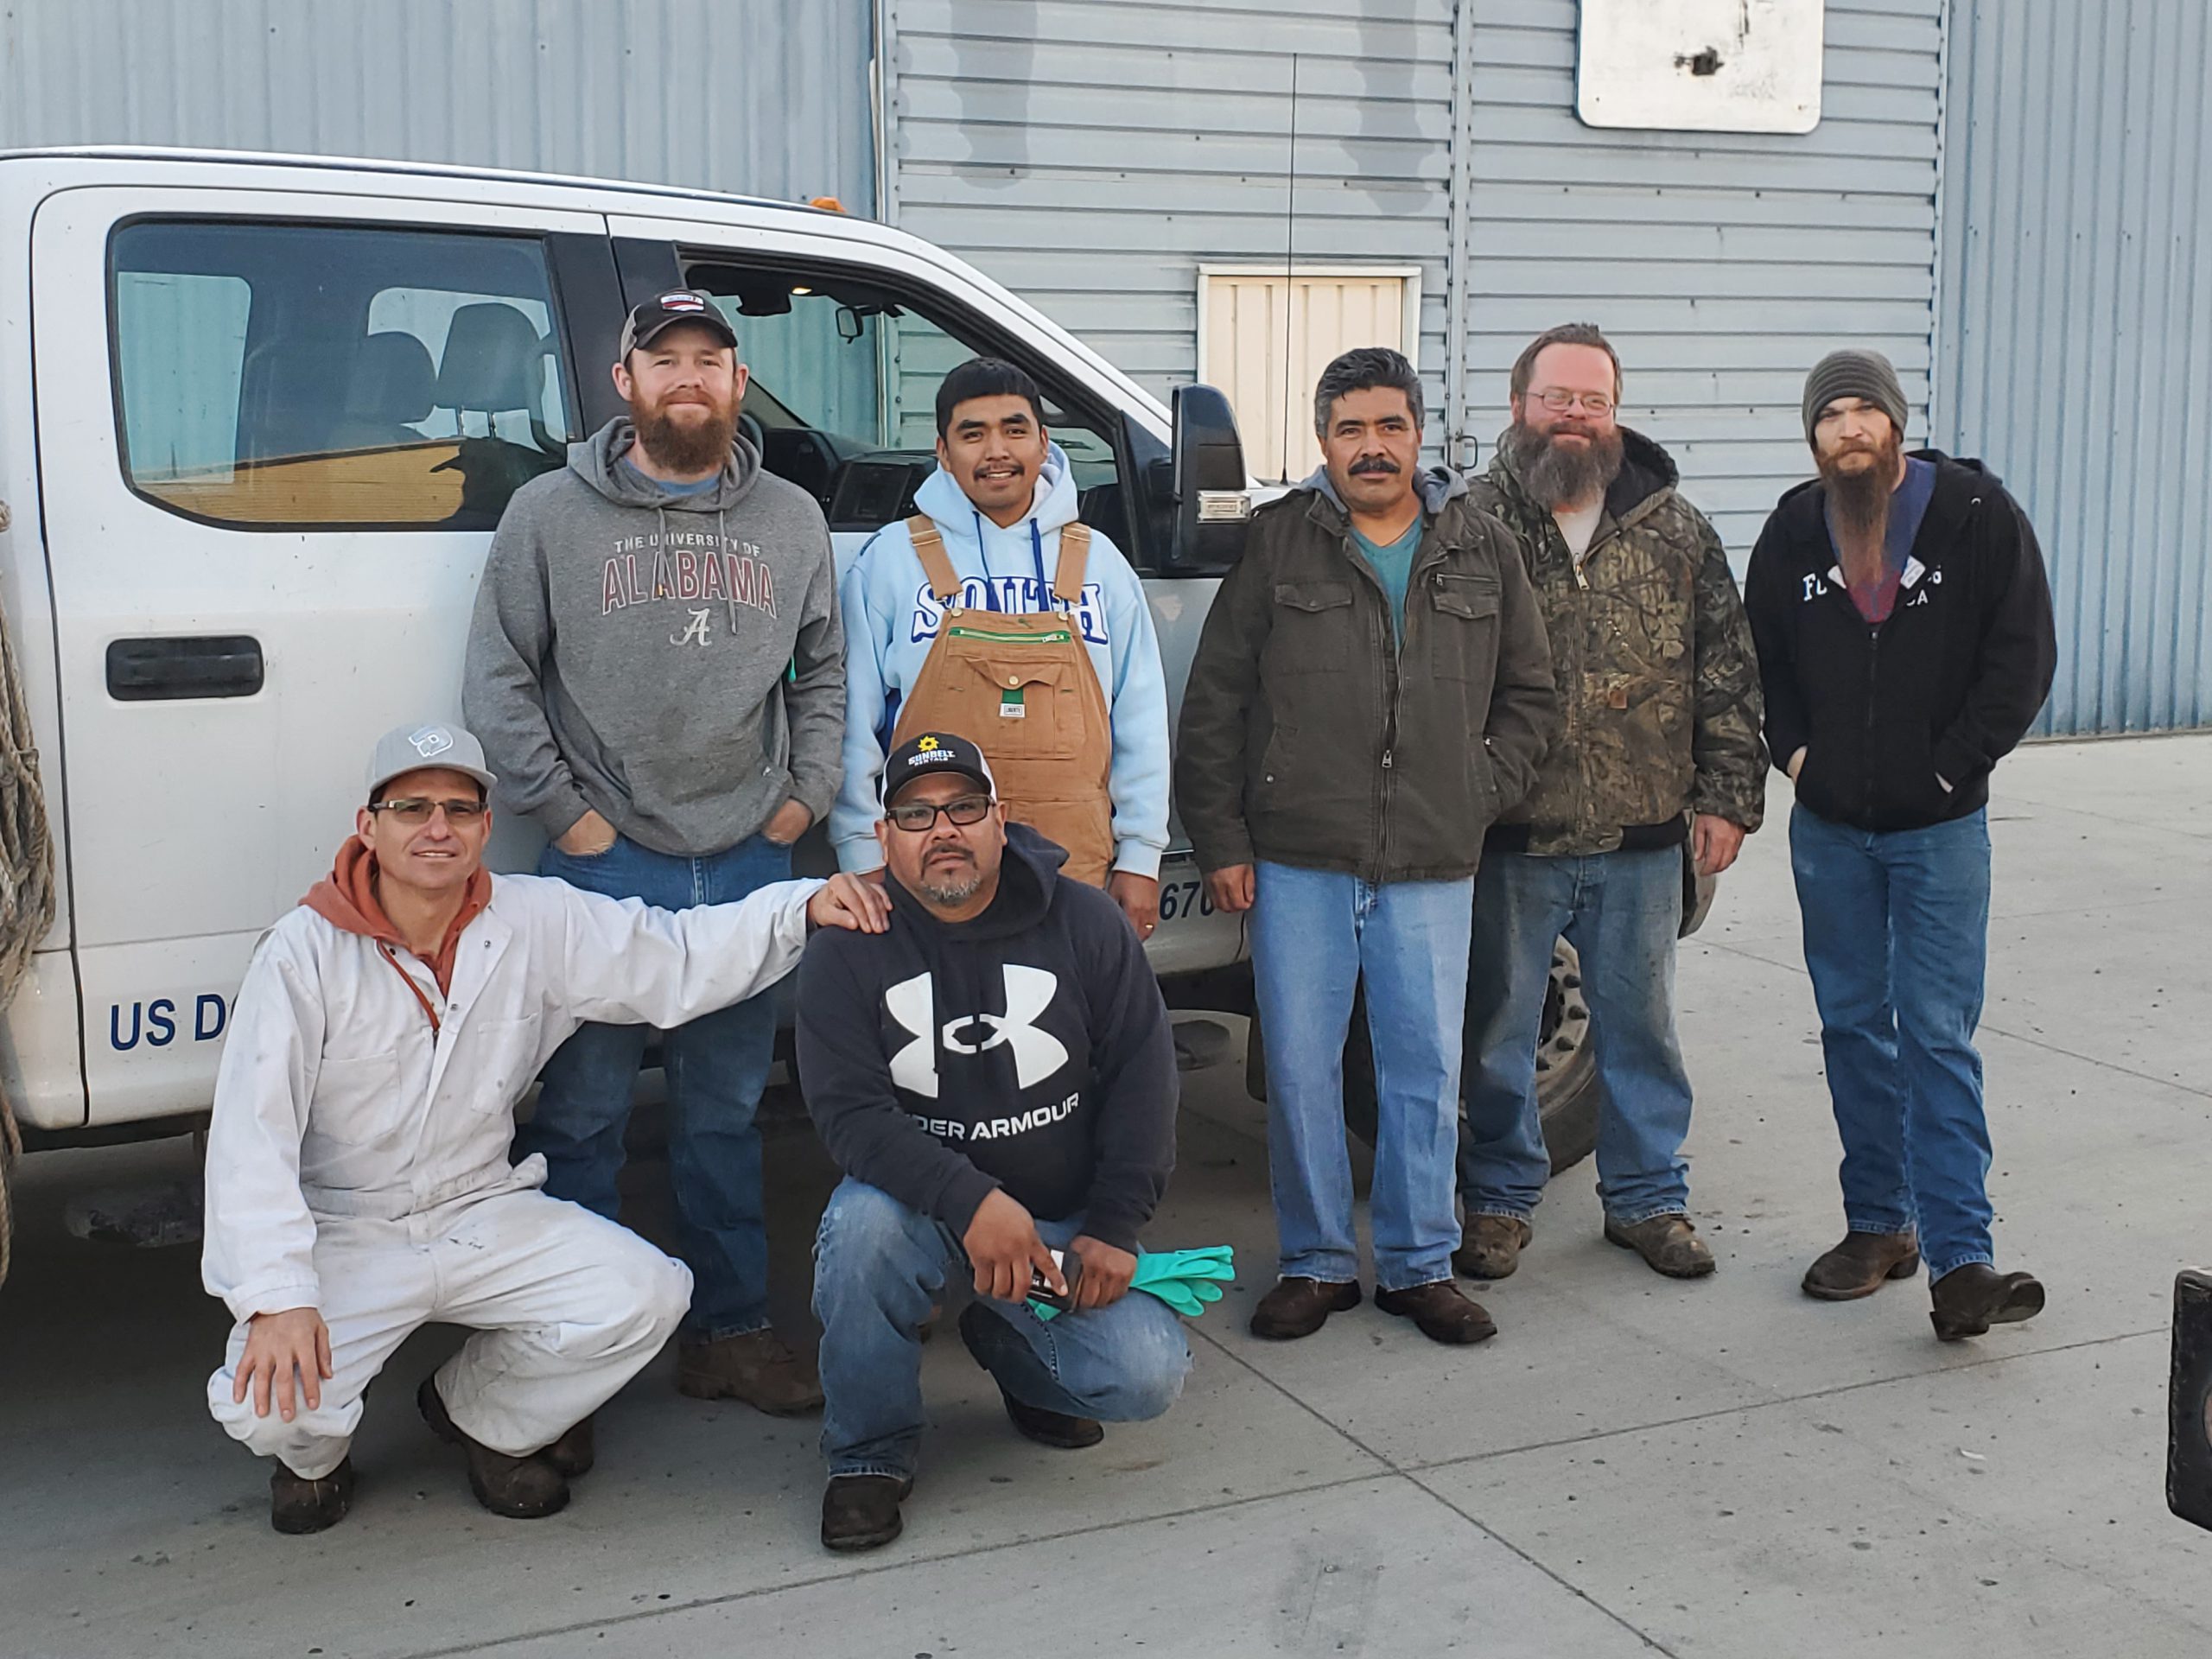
<point x="997" y="1083"/>
<point x="1905" y="642"/>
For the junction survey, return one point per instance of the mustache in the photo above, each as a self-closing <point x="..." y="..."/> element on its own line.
<point x="1369" y="464"/>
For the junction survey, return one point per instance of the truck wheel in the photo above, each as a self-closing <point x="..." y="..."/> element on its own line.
<point x="1567" y="1093"/>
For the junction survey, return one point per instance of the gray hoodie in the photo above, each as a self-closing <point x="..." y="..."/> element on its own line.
<point x="672" y="661"/>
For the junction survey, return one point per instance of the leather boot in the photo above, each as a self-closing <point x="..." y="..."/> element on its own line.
<point x="1861" y="1265"/>
<point x="1297" y="1308"/>
<point x="759" y="1368"/>
<point x="1053" y="1428"/>
<point x="1668" y="1244"/>
<point x="297" y="1504"/>
<point x="1490" y="1246"/>
<point x="1442" y="1311"/>
<point x="862" y="1511"/>
<point x="575" y="1452"/>
<point x="522" y="1489"/>
<point x="1967" y="1301"/>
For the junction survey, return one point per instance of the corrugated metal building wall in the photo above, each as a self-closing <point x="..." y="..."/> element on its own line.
<point x="2076" y="330"/>
<point x="756" y="97"/>
<point x="1722" y="265"/>
<point x="1091" y="154"/>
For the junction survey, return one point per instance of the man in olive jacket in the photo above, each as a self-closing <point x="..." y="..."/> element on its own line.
<point x="1372" y="690"/>
<point x="1659" y="693"/>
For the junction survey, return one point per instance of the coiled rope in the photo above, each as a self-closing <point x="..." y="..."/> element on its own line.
<point x="27" y="897"/>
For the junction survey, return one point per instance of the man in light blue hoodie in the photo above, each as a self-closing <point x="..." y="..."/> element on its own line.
<point x="1001" y="496"/>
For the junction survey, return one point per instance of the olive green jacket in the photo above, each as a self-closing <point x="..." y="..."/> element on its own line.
<point x="1658" y="685"/>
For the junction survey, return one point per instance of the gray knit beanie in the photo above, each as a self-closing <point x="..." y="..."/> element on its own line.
<point x="1852" y="373"/>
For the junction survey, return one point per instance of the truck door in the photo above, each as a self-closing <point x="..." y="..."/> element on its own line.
<point x="276" y="430"/>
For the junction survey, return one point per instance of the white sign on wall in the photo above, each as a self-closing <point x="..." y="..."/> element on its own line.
<point x="1701" y="65"/>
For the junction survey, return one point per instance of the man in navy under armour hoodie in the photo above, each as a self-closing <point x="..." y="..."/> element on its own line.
<point x="997" y="1082"/>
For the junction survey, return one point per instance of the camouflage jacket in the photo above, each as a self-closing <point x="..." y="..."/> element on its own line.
<point x="1658" y="687"/>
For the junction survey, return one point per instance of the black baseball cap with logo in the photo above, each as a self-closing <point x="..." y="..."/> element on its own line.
<point x="934" y="752"/>
<point x="659" y="315"/>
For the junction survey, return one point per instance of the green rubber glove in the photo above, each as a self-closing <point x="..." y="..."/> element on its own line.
<point x="1189" y="1281"/>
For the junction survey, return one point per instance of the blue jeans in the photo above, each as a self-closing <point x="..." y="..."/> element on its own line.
<point x="879" y="1267"/>
<point x="1315" y="934"/>
<point x="1897" y="939"/>
<point x="1621" y="911"/>
<point x="716" y="1067"/>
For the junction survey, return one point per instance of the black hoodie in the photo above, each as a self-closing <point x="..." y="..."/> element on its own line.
<point x="1027" y="1049"/>
<point x="1942" y="689"/>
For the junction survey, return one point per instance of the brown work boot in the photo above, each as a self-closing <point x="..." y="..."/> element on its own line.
<point x="575" y="1452"/>
<point x="1668" y="1244"/>
<point x="1967" y="1301"/>
<point x="1861" y="1265"/>
<point x="297" y="1504"/>
<point x="1442" y="1311"/>
<point x="522" y="1489"/>
<point x="757" y="1368"/>
<point x="1297" y="1308"/>
<point x="1490" y="1246"/>
<point x="862" y="1511"/>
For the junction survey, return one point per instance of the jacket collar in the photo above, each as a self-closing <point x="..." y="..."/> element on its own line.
<point x="1961" y="485"/>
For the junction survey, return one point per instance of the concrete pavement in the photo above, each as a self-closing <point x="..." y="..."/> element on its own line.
<point x="1632" y="1466"/>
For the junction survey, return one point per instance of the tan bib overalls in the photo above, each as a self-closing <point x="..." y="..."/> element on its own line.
<point x="1021" y="688"/>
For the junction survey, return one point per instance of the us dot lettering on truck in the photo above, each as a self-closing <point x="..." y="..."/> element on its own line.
<point x="160" y="1023"/>
<point x="1012" y="593"/>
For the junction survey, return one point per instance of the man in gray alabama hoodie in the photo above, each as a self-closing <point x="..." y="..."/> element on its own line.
<point x="657" y="672"/>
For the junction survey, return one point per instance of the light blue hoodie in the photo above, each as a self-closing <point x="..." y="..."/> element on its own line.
<point x="891" y="621"/>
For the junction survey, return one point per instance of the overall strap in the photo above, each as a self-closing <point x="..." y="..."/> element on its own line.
<point x="929" y="548"/>
<point x="1075" y="553"/>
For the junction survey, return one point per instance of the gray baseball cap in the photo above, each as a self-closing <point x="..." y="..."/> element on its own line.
<point x="422" y="744"/>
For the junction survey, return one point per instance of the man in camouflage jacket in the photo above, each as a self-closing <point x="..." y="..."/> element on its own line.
<point x="1660" y="695"/>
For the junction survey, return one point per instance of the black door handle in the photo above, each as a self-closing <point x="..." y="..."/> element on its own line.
<point x="218" y="665"/>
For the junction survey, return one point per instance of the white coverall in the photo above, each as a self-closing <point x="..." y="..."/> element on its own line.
<point x="356" y="1161"/>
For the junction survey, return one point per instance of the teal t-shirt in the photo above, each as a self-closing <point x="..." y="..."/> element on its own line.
<point x="1393" y="562"/>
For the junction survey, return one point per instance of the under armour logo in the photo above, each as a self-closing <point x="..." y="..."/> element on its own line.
<point x="1038" y="1054"/>
<point x="696" y="633"/>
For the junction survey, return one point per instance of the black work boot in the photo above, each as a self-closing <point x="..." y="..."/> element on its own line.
<point x="1053" y="1428"/>
<point x="862" y="1511"/>
<point x="297" y="1504"/>
<point x="575" y="1452"/>
<point x="1967" y="1301"/>
<point x="1442" y="1311"/>
<point x="522" y="1489"/>
<point x="758" y="1367"/>
<point x="1297" y="1308"/>
<point x="1861" y="1265"/>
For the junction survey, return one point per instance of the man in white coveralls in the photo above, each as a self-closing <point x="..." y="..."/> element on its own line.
<point x="358" y="1180"/>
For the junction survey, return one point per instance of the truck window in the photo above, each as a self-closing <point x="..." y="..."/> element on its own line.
<point x="279" y="376"/>
<point x="842" y="398"/>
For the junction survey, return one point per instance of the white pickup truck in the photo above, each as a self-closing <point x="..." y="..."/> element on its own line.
<point x="258" y="417"/>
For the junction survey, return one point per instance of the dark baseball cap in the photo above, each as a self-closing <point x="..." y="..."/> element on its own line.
<point x="934" y="752"/>
<point x="658" y="315"/>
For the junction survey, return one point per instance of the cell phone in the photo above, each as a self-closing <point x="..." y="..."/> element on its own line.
<point x="1070" y="1267"/>
<point x="2188" y="1401"/>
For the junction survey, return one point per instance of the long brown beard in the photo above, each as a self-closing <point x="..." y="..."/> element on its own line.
<point x="1860" y="501"/>
<point x="688" y="447"/>
<point x="1553" y="475"/>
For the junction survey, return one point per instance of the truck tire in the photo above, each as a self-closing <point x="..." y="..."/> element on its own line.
<point x="1568" y="1097"/>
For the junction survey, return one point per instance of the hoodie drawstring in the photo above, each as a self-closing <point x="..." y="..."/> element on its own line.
<point x="1045" y="595"/>
<point x="721" y="554"/>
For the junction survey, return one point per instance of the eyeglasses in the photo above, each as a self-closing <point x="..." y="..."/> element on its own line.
<point x="915" y="817"/>
<point x="1559" y="401"/>
<point x="413" y="810"/>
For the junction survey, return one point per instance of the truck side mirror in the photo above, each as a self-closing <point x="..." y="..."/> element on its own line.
<point x="1212" y="506"/>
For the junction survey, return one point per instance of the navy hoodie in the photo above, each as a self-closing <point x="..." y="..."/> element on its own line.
<point x="1027" y="1049"/>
